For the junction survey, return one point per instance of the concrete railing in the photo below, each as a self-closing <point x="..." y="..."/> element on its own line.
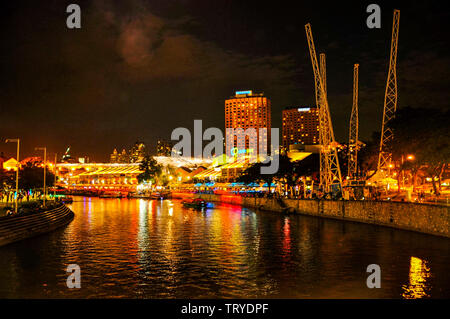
<point x="425" y="218"/>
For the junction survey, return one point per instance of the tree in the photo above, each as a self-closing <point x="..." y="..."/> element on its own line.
<point x="309" y="166"/>
<point x="425" y="134"/>
<point x="286" y="172"/>
<point x="253" y="174"/>
<point x="31" y="176"/>
<point x="368" y="156"/>
<point x="6" y="178"/>
<point x="150" y="170"/>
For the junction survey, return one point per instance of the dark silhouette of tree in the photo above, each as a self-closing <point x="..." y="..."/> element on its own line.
<point x="150" y="170"/>
<point x="288" y="174"/>
<point x="31" y="176"/>
<point x="368" y="156"/>
<point x="424" y="133"/>
<point x="6" y="178"/>
<point x="253" y="174"/>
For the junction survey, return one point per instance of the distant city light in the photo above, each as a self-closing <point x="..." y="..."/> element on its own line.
<point x="244" y="92"/>
<point x="304" y="109"/>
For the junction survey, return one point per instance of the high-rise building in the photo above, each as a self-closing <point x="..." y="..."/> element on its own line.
<point x="247" y="110"/>
<point x="114" y="158"/>
<point x="300" y="126"/>
<point x="123" y="157"/>
<point x="164" y="147"/>
<point x="137" y="152"/>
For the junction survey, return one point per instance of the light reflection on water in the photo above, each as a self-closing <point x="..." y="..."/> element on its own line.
<point x="419" y="274"/>
<point x="158" y="249"/>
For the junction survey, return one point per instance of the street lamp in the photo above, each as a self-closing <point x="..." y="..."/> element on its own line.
<point x="54" y="184"/>
<point x="409" y="157"/>
<point x="16" y="140"/>
<point x="45" y="166"/>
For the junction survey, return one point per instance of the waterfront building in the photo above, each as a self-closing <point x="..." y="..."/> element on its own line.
<point x="10" y="164"/>
<point x="300" y="126"/>
<point x="121" y="176"/>
<point x="247" y="110"/>
<point x="227" y="172"/>
<point x="98" y="176"/>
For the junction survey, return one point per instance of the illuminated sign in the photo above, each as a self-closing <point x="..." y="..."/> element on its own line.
<point x="243" y="92"/>
<point x="304" y="109"/>
<point x="235" y="151"/>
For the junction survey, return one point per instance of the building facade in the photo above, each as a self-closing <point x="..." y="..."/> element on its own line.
<point x="300" y="126"/>
<point x="247" y="110"/>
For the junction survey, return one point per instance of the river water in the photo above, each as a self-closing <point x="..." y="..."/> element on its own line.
<point x="140" y="248"/>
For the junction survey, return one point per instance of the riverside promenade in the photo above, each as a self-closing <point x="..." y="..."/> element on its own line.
<point x="26" y="225"/>
<point x="424" y="218"/>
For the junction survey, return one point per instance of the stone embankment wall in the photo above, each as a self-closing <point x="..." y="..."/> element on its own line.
<point x="430" y="219"/>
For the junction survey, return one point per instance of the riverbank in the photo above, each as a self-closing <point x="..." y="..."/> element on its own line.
<point x="15" y="228"/>
<point x="424" y="218"/>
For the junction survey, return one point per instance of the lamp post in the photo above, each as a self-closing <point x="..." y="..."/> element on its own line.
<point x="16" y="140"/>
<point x="409" y="158"/>
<point x="45" y="165"/>
<point x="54" y="184"/>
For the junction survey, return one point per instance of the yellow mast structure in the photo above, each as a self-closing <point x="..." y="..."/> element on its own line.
<point x="390" y="101"/>
<point x="323" y="159"/>
<point x="323" y="72"/>
<point x="330" y="170"/>
<point x="354" y="123"/>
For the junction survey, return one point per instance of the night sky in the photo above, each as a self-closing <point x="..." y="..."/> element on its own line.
<point x="138" y="69"/>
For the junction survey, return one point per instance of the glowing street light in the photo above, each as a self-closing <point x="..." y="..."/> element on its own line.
<point x="17" y="140"/>
<point x="45" y="166"/>
<point x="410" y="157"/>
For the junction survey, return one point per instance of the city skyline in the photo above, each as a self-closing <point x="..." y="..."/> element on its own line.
<point x="236" y="157"/>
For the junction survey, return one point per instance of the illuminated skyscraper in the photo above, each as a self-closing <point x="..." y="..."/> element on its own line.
<point x="137" y="152"/>
<point x="300" y="126"/>
<point x="114" y="158"/>
<point x="247" y="110"/>
<point x="164" y="147"/>
<point x="123" y="157"/>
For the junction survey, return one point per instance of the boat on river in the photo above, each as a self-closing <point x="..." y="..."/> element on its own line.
<point x="112" y="195"/>
<point x="67" y="200"/>
<point x="194" y="203"/>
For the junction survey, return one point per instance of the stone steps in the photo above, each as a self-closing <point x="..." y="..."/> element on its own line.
<point x="16" y="228"/>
